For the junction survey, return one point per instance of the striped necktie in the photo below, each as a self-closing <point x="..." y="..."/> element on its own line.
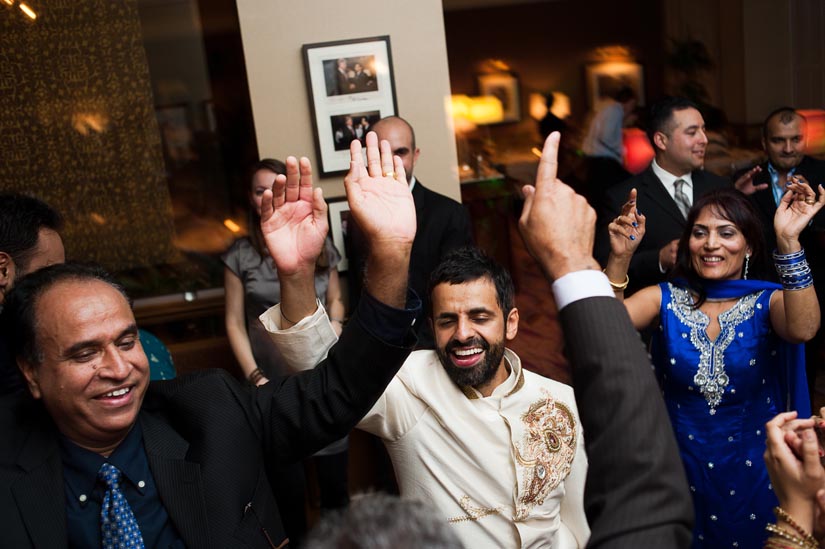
<point x="118" y="527"/>
<point x="682" y="200"/>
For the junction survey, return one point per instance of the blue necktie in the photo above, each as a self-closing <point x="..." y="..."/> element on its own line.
<point x="118" y="527"/>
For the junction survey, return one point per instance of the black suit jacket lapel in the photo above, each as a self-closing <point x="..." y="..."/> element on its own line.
<point x="655" y="190"/>
<point x="179" y="481"/>
<point x="40" y="494"/>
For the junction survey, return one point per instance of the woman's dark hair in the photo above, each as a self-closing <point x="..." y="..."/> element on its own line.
<point x="733" y="206"/>
<point x="254" y="220"/>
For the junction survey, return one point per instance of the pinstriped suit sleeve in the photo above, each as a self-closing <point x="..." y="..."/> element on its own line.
<point x="636" y="493"/>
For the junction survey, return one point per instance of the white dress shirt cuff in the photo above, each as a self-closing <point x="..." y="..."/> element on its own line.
<point x="580" y="285"/>
<point x="312" y="332"/>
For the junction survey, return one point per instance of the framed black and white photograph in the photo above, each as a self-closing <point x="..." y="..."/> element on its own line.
<point x="504" y="86"/>
<point x="350" y="85"/>
<point x="605" y="79"/>
<point x="338" y="219"/>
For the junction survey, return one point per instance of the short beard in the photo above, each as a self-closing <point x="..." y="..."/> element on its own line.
<point x="481" y="373"/>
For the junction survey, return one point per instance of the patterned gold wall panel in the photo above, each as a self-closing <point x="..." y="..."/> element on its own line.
<point x="77" y="128"/>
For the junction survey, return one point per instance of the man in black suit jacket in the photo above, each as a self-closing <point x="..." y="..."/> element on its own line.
<point x="677" y="132"/>
<point x="442" y="225"/>
<point x="192" y="450"/>
<point x="636" y="493"/>
<point x="783" y="139"/>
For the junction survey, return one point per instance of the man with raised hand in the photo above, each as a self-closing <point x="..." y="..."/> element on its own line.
<point x="636" y="493"/>
<point x="496" y="449"/>
<point x="100" y="455"/>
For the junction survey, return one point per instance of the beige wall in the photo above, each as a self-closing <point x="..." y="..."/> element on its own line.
<point x="273" y="33"/>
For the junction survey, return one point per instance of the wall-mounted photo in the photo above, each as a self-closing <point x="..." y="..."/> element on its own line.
<point x="338" y="219"/>
<point x="350" y="85"/>
<point x="605" y="79"/>
<point x="347" y="127"/>
<point x="505" y="87"/>
<point x="350" y="75"/>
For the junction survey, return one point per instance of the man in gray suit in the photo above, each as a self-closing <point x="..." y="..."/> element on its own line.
<point x="636" y="493"/>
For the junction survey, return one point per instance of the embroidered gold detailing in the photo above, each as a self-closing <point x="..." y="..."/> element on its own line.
<point x="710" y="377"/>
<point x="546" y="452"/>
<point x="468" y="392"/>
<point x="473" y="513"/>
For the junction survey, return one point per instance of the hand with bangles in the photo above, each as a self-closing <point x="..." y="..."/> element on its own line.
<point x="798" y="206"/>
<point x="628" y="229"/>
<point x="792" y="457"/>
<point x="626" y="233"/>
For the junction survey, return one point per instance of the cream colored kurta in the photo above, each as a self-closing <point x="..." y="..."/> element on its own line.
<point x="505" y="471"/>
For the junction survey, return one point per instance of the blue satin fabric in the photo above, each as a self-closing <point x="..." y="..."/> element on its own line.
<point x="719" y="395"/>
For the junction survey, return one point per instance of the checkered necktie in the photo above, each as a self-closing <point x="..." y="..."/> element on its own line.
<point x="118" y="527"/>
<point x="681" y="197"/>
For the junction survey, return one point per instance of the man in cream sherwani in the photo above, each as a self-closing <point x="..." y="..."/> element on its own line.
<point x="496" y="449"/>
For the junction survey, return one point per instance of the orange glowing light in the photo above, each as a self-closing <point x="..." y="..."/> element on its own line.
<point x="814" y="130"/>
<point x="231" y="225"/>
<point x="638" y="151"/>
<point x="9" y="2"/>
<point x="28" y="11"/>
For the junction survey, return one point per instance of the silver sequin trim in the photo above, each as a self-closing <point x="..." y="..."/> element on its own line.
<point x="710" y="377"/>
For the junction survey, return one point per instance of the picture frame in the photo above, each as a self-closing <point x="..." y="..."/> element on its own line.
<point x="338" y="219"/>
<point x="351" y="86"/>
<point x="176" y="133"/>
<point x="604" y="79"/>
<point x="505" y="86"/>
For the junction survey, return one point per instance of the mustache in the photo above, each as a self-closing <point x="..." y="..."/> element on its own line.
<point x="474" y="342"/>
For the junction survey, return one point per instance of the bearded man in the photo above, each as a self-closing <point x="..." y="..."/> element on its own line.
<point x="496" y="449"/>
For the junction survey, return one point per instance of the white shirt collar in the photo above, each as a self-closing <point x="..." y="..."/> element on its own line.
<point x="412" y="183"/>
<point x="668" y="179"/>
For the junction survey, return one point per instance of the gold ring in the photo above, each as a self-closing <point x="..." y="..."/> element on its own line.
<point x="389" y="174"/>
<point x="810" y="201"/>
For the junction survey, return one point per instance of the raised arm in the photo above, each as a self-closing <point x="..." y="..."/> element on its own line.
<point x="626" y="233"/>
<point x="795" y="313"/>
<point x="382" y="205"/>
<point x="636" y="493"/>
<point x="294" y="225"/>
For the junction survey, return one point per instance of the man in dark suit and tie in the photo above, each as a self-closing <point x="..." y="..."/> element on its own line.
<point x="181" y="463"/>
<point x="666" y="190"/>
<point x="442" y="225"/>
<point x="784" y="141"/>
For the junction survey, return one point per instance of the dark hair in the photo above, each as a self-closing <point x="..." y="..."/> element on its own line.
<point x="785" y="114"/>
<point x="624" y="94"/>
<point x="468" y="264"/>
<point x="391" y="118"/>
<point x="19" y="320"/>
<point x="732" y="205"/>
<point x="660" y="116"/>
<point x="383" y="521"/>
<point x="21" y="218"/>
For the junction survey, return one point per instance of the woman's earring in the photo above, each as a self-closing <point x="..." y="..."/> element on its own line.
<point x="747" y="260"/>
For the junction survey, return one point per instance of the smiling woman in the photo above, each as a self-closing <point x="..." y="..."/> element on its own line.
<point x="724" y="344"/>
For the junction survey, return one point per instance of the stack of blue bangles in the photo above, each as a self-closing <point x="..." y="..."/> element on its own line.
<point x="793" y="270"/>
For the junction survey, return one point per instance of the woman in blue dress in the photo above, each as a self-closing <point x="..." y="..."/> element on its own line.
<point x="726" y="348"/>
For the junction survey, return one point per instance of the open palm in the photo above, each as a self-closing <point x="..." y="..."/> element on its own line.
<point x="380" y="204"/>
<point x="294" y="219"/>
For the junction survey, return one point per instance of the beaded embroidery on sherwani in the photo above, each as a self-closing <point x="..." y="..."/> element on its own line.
<point x="545" y="455"/>
<point x="710" y="377"/>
